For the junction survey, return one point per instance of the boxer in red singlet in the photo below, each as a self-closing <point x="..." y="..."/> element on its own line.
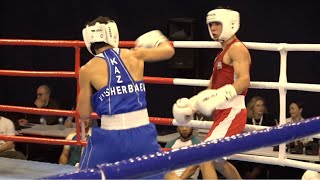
<point x="226" y="92"/>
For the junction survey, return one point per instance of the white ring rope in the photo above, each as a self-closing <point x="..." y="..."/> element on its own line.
<point x="250" y="45"/>
<point x="208" y="124"/>
<point x="281" y="160"/>
<point x="276" y="161"/>
<point x="282" y="87"/>
<point x="253" y="84"/>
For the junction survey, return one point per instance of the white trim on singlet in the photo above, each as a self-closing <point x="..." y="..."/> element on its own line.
<point x="87" y="154"/>
<point x="129" y="75"/>
<point x="116" y="52"/>
<point x="124" y="67"/>
<point x="109" y="81"/>
<point x="221" y="130"/>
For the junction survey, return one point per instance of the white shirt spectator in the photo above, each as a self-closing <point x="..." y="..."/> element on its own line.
<point x="289" y="120"/>
<point x="179" y="144"/>
<point x="304" y="140"/>
<point x="6" y="128"/>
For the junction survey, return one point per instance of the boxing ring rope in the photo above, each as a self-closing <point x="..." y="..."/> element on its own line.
<point x="282" y="85"/>
<point x="146" y="165"/>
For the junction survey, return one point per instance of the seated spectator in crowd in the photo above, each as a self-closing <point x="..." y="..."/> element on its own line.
<point x="68" y="122"/>
<point x="7" y="147"/>
<point x="71" y="154"/>
<point x="186" y="138"/>
<point x="43" y="100"/>
<point x="43" y="152"/>
<point x="296" y="110"/>
<point x="258" y="113"/>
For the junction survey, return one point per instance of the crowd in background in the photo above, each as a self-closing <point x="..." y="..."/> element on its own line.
<point x="258" y="114"/>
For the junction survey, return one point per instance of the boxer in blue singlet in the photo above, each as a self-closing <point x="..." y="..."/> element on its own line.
<point x="120" y="100"/>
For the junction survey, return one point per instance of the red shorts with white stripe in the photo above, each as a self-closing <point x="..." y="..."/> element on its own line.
<point x="227" y="122"/>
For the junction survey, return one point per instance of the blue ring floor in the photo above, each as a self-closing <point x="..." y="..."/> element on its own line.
<point x="23" y="169"/>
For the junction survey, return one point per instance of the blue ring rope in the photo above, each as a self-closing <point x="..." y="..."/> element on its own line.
<point x="157" y="163"/>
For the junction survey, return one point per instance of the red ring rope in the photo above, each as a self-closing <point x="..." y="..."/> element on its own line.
<point x="62" y="74"/>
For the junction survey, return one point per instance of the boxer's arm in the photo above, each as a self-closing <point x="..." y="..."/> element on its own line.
<point x="64" y="156"/>
<point x="188" y="172"/>
<point x="241" y="61"/>
<point x="153" y="46"/>
<point x="209" y="99"/>
<point x="84" y="106"/>
<point x="6" y="146"/>
<point x="162" y="52"/>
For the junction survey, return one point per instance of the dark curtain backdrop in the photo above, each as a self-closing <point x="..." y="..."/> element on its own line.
<point x="286" y="21"/>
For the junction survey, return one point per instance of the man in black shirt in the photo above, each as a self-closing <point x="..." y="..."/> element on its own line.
<point x="43" y="101"/>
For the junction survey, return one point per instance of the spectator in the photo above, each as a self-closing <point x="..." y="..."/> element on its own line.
<point x="43" y="152"/>
<point x="43" y="101"/>
<point x="258" y="113"/>
<point x="71" y="154"/>
<point x="295" y="110"/>
<point x="186" y="138"/>
<point x="7" y="147"/>
<point x="295" y="147"/>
